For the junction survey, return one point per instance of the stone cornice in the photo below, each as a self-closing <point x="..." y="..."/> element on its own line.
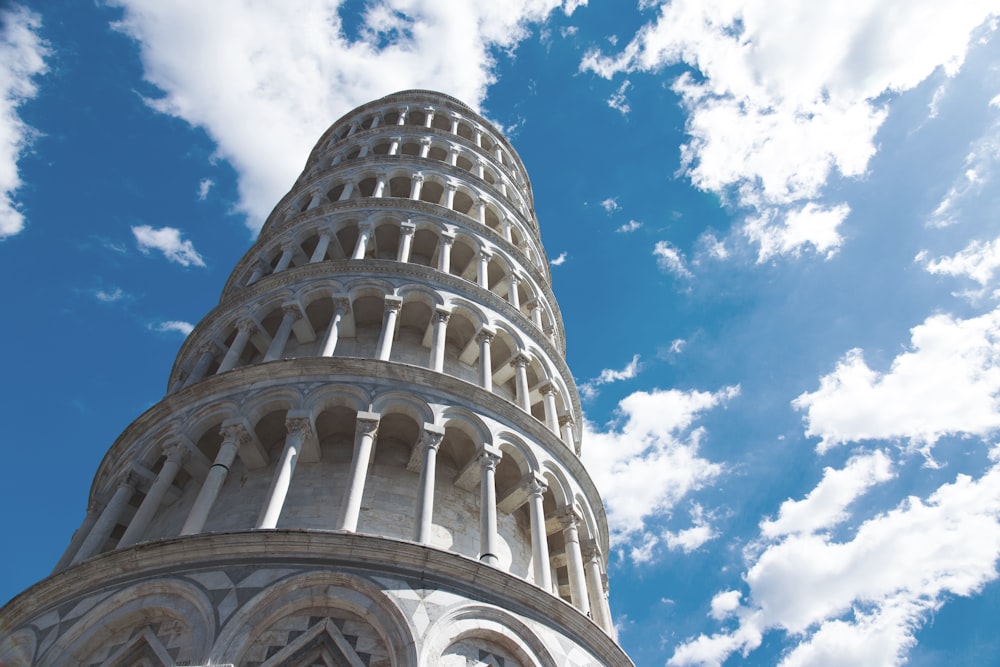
<point x="357" y="372"/>
<point x="367" y="555"/>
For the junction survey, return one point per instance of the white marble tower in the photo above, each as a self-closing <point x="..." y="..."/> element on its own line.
<point x="369" y="450"/>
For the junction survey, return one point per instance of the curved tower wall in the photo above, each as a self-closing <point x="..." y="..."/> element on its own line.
<point x="373" y="435"/>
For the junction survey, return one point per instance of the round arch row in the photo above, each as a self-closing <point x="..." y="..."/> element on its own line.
<point x="405" y="182"/>
<point x="432" y="147"/>
<point x="431" y="117"/>
<point x="417" y="240"/>
<point x="337" y="457"/>
<point x="371" y="318"/>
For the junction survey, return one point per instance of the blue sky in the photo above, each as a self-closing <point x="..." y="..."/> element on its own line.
<point x="773" y="232"/>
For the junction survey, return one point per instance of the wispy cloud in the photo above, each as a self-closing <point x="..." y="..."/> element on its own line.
<point x="168" y="241"/>
<point x="22" y="59"/>
<point x="183" y="328"/>
<point x="671" y="259"/>
<point x="110" y="296"/>
<point x="979" y="261"/>
<point x="608" y="375"/>
<point x="204" y="186"/>
<point x="629" y="226"/>
<point x="560" y="260"/>
<point x="610" y="205"/>
<point x="618" y="101"/>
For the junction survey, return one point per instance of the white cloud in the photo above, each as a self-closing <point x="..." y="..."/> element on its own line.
<point x="110" y="296"/>
<point x="22" y="59"/>
<point x="948" y="382"/>
<point x="790" y="92"/>
<point x="609" y="375"/>
<point x="689" y="539"/>
<point x="671" y="259"/>
<point x="629" y="226"/>
<point x="711" y="246"/>
<point x="979" y="261"/>
<point x="183" y="328"/>
<point x="645" y="464"/>
<point x="724" y="603"/>
<point x="168" y="241"/>
<point x="204" y="186"/>
<point x="618" y="101"/>
<point x="810" y="225"/>
<point x="560" y="260"/>
<point x="610" y="205"/>
<point x="860" y="601"/>
<point x="826" y="505"/>
<point x="269" y="84"/>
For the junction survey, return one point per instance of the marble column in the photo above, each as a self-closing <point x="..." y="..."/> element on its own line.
<point x="489" y="458"/>
<point x="484" y="268"/>
<point x="548" y="389"/>
<point x="298" y="425"/>
<point x="287" y="254"/>
<point x="416" y="185"/>
<point x="539" y="537"/>
<point x="430" y="441"/>
<point x="260" y="268"/>
<point x="364" y="445"/>
<point x="425" y="147"/>
<point x="574" y="561"/>
<point x="406" y="231"/>
<point x="329" y="343"/>
<point x="566" y="428"/>
<point x="292" y="313"/>
<point x="109" y="518"/>
<point x="393" y="305"/>
<point x="485" y="338"/>
<point x="176" y="453"/>
<point x="444" y="253"/>
<point x="380" y="183"/>
<point x="322" y="245"/>
<point x="520" y="364"/>
<point x="512" y="295"/>
<point x="361" y="247"/>
<point x="441" y="316"/>
<point x="79" y="536"/>
<point x="235" y="434"/>
<point x="599" y="609"/>
<point x="245" y="327"/>
<point x="200" y="370"/>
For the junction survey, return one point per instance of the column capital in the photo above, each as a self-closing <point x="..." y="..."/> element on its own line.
<point x="235" y="431"/>
<point x="520" y="360"/>
<point x="176" y="451"/>
<point x="441" y="314"/>
<point x="341" y="303"/>
<point x="566" y="418"/>
<point x="247" y="325"/>
<point x="568" y="518"/>
<point x="299" y="424"/>
<point x="130" y="478"/>
<point x="393" y="303"/>
<point x="451" y="185"/>
<point x="208" y="346"/>
<point x="367" y="423"/>
<point x="536" y="485"/>
<point x="487" y="334"/>
<point x="447" y="238"/>
<point x="293" y="308"/>
<point x="548" y="387"/>
<point x="590" y="550"/>
<point x="485" y="253"/>
<point x="514" y="279"/>
<point x="407" y="227"/>
<point x="288" y="244"/>
<point x="489" y="457"/>
<point x="366" y="226"/>
<point x="418" y="176"/>
<point x="425" y="141"/>
<point x="431" y="436"/>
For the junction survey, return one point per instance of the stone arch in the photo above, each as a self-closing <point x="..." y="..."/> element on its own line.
<point x="180" y="604"/>
<point x="341" y="596"/>
<point x="496" y="626"/>
<point x="18" y="649"/>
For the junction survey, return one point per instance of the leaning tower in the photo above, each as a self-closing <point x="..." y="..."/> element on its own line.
<point x="368" y="453"/>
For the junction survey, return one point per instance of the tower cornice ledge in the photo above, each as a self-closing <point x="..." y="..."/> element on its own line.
<point x="364" y="555"/>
